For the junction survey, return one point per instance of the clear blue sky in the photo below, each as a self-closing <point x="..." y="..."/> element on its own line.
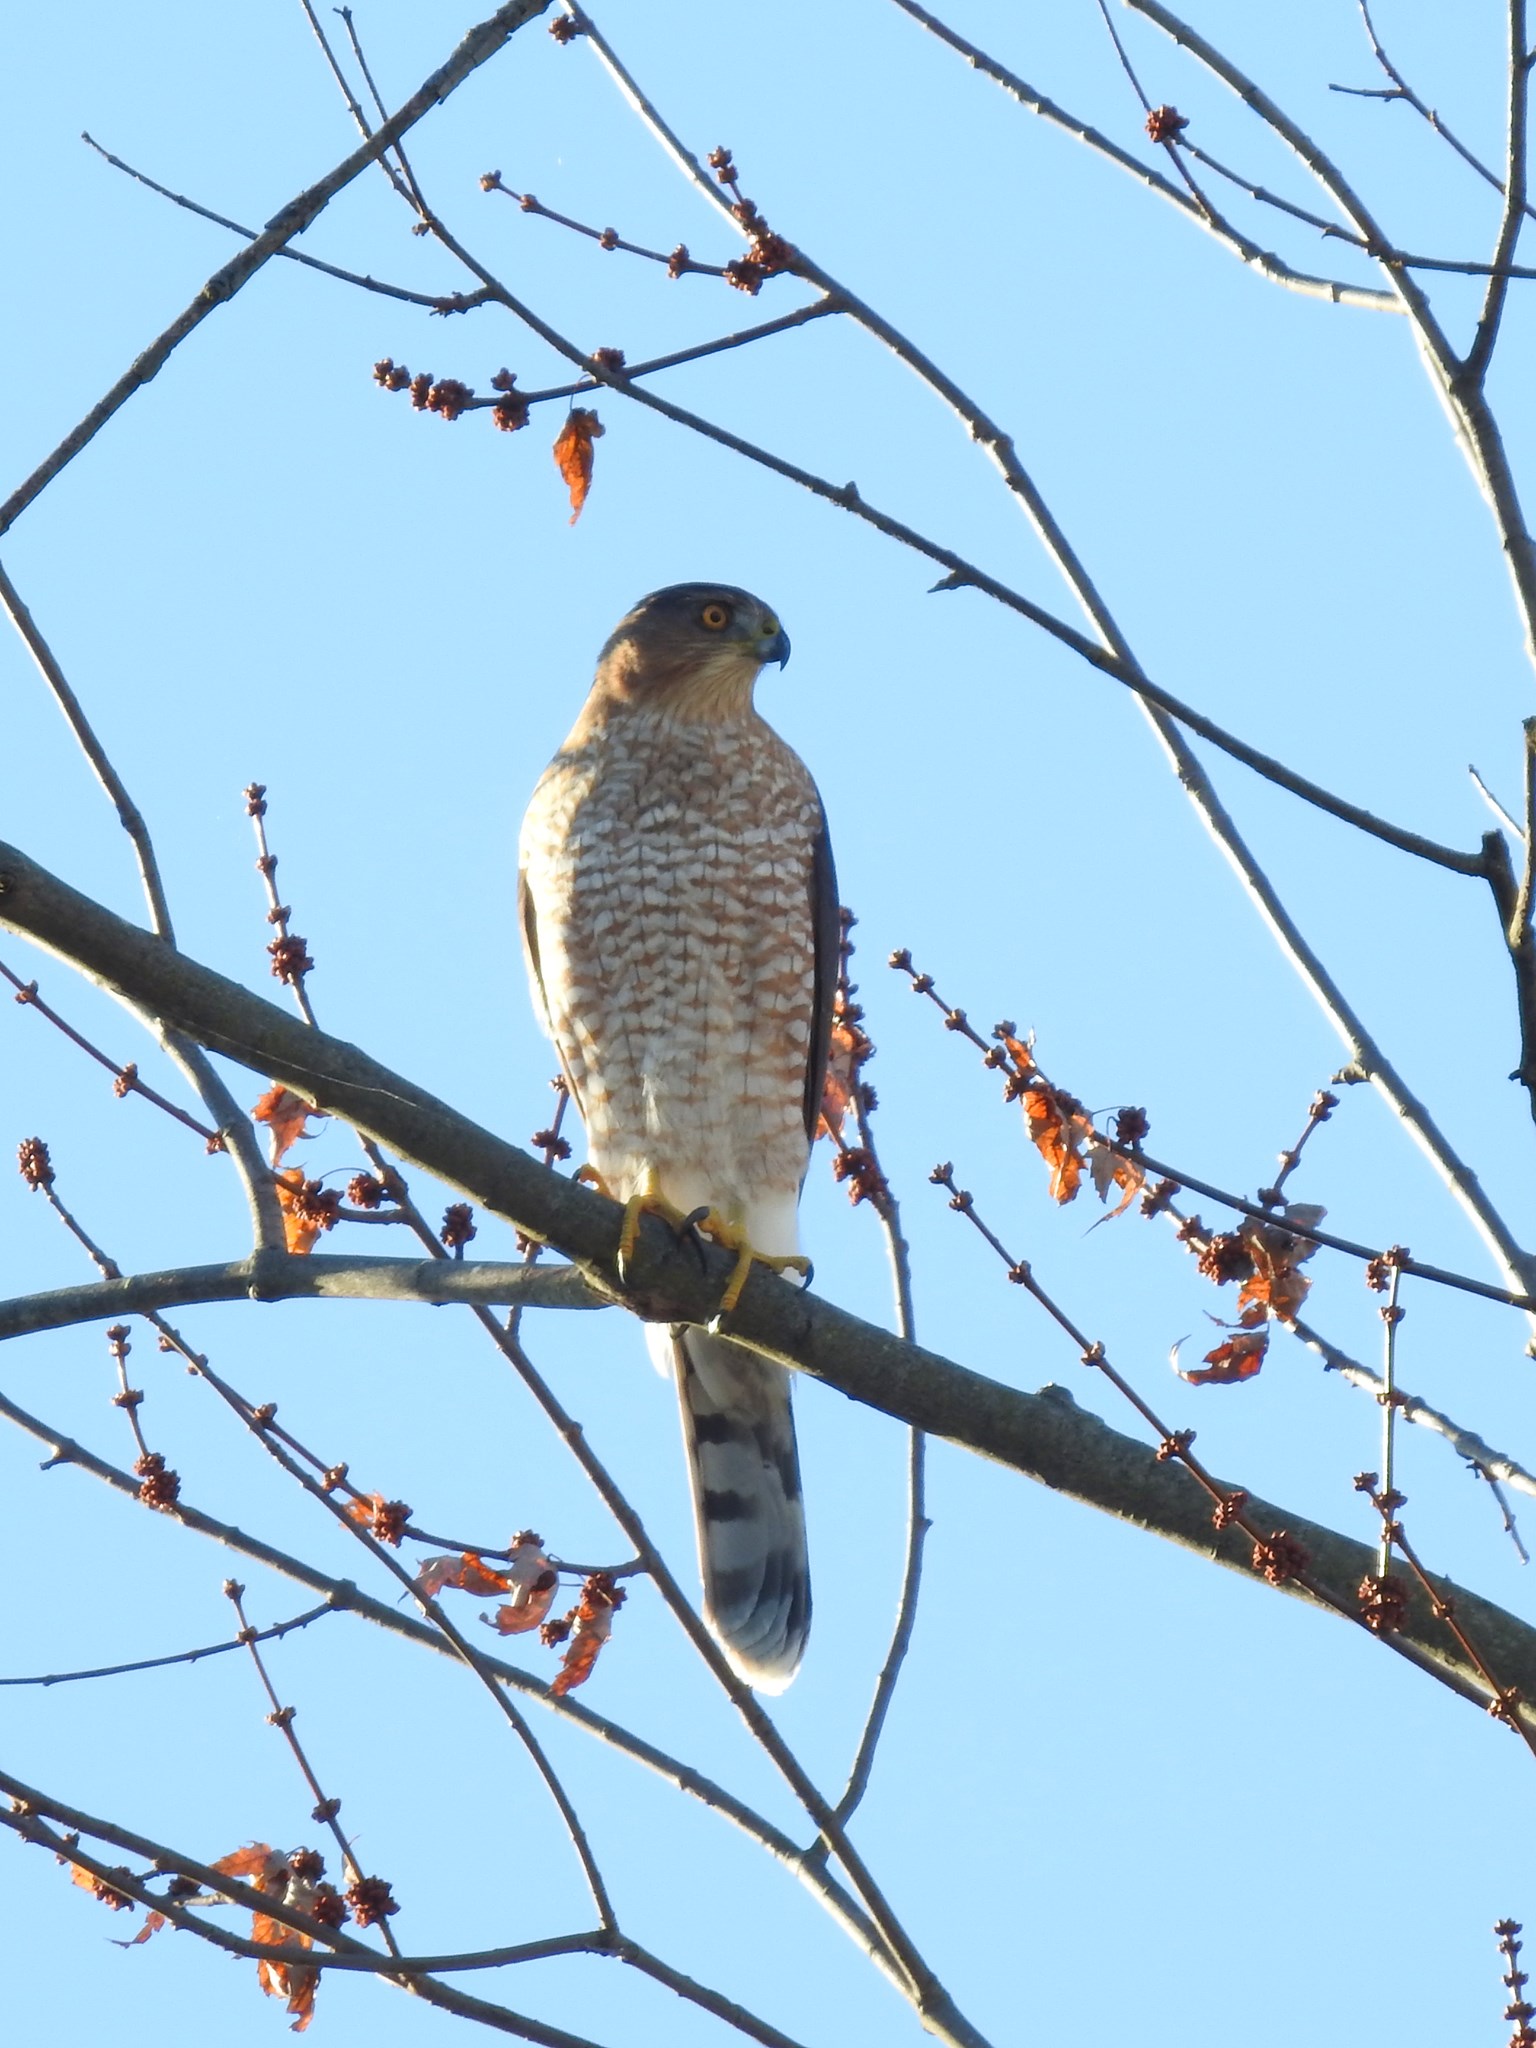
<point x="1120" y="1790"/>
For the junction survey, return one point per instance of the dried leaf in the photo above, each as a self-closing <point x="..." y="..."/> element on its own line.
<point x="256" y="1863"/>
<point x="1238" y="1358"/>
<point x="469" y="1573"/>
<point x="1057" y="1130"/>
<point x="384" y="1520"/>
<point x="573" y="454"/>
<point x="593" y="1619"/>
<point x="285" y="1115"/>
<point x="99" y="1888"/>
<point x="1108" y="1170"/>
<point x="531" y="1579"/>
<point x="847" y="1052"/>
<point x="152" y="1925"/>
<point x="1276" y="1288"/>
<point x="308" y="1210"/>
<point x="270" y="1871"/>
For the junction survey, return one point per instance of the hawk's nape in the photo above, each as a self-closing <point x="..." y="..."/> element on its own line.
<point x="680" y="922"/>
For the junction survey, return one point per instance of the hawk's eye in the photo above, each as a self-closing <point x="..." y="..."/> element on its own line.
<point x="715" y="617"/>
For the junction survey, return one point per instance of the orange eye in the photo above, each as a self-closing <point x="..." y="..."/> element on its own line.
<point x="715" y="617"/>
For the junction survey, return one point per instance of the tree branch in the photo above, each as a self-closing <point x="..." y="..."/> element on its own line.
<point x="1044" y="1436"/>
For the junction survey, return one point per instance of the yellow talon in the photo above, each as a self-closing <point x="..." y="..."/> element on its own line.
<point x="734" y="1239"/>
<point x="645" y="1201"/>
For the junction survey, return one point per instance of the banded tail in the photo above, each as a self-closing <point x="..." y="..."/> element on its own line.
<point x="740" y="1438"/>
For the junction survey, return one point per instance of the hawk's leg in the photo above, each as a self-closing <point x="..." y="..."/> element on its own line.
<point x="734" y="1238"/>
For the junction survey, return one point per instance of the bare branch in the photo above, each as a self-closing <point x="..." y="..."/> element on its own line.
<point x="301" y="212"/>
<point x="1480" y="355"/>
<point x="1262" y="260"/>
<point x="274" y="1634"/>
<point x="433" y="303"/>
<point x="1494" y="1465"/>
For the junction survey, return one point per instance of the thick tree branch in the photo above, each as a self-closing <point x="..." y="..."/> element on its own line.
<point x="1044" y="1436"/>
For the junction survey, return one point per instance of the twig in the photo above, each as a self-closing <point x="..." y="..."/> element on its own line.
<point x="281" y="1718"/>
<point x="1402" y="90"/>
<point x="301" y="212"/>
<point x="1391" y="1316"/>
<point x="1264" y="261"/>
<point x="1496" y="807"/>
<point x="359" y="117"/>
<point x="918" y="1524"/>
<point x="434" y="302"/>
<point x="1495" y="1466"/>
<point x="1480" y="354"/>
<point x="412" y="188"/>
<point x="274" y="1634"/>
<point x="677" y="262"/>
<point x="1323" y="1104"/>
<point x="1168" y="143"/>
<point x="125" y="1076"/>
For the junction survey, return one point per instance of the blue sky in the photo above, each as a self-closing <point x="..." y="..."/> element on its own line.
<point x="1118" y="1786"/>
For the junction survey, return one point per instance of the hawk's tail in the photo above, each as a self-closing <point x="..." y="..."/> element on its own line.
<point x="740" y="1438"/>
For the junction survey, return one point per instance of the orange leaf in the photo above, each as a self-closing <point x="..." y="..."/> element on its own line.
<point x="99" y="1888"/>
<point x="152" y="1925"/>
<point x="573" y="454"/>
<point x="593" y="1617"/>
<point x="1057" y="1132"/>
<point x="1276" y="1287"/>
<point x="1239" y="1358"/>
<point x="285" y="1114"/>
<point x="847" y="1052"/>
<point x="256" y="1862"/>
<point x="469" y="1573"/>
<point x="384" y="1520"/>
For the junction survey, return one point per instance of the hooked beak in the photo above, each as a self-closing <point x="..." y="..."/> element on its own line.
<point x="774" y="646"/>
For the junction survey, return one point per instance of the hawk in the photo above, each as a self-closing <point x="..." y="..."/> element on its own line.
<point x="679" y="914"/>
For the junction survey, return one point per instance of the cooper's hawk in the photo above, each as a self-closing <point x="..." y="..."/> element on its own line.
<point x="679" y="915"/>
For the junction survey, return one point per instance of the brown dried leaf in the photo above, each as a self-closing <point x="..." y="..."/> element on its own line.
<point x="152" y="1925"/>
<point x="593" y="1618"/>
<point x="1277" y="1288"/>
<point x="1108" y="1170"/>
<point x="469" y="1573"/>
<point x="257" y="1862"/>
<point x="848" y="1050"/>
<point x="301" y="1226"/>
<point x="285" y="1115"/>
<point x="1057" y="1133"/>
<point x="1238" y="1358"/>
<point x="573" y="454"/>
<point x="384" y="1520"/>
<point x="99" y="1888"/>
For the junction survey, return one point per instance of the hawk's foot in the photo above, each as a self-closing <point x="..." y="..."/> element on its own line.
<point x="734" y="1239"/>
<point x="646" y="1202"/>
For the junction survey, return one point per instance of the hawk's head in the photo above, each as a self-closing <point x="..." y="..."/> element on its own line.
<point x="693" y="647"/>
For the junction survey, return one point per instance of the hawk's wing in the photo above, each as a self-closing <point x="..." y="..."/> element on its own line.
<point x="528" y="919"/>
<point x="827" y="935"/>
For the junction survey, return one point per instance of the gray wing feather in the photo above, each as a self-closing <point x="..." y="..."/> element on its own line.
<point x="827" y="933"/>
